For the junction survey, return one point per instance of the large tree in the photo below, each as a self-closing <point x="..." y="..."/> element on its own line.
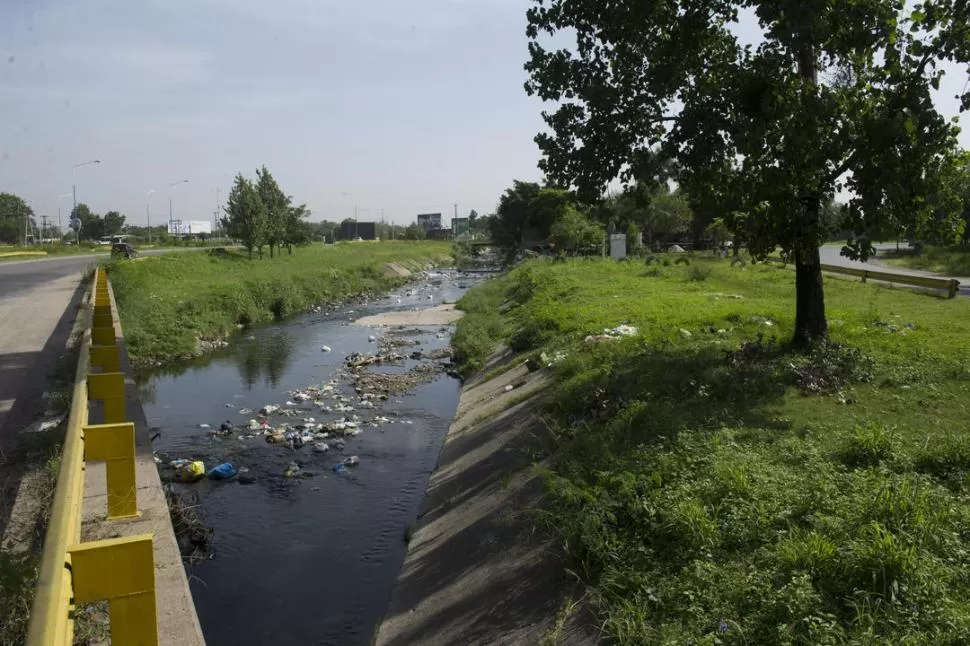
<point x="14" y="212"/>
<point x="246" y="216"/>
<point x="835" y="97"/>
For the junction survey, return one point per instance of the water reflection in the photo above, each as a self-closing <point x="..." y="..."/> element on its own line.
<point x="265" y="357"/>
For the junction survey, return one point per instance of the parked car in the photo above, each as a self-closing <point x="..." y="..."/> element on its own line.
<point x="123" y="249"/>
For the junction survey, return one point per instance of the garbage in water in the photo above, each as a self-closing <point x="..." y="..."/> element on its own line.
<point x="246" y="411"/>
<point x="189" y="471"/>
<point x="326" y="348"/>
<point x="222" y="472"/>
<point x="204" y="426"/>
<point x="339" y="468"/>
<point x="292" y="471"/>
<point x="321" y="447"/>
<point x="269" y="409"/>
<point x="372" y="339"/>
<point x="351" y="461"/>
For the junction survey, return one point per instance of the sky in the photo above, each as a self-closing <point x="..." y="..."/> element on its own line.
<point x="405" y="107"/>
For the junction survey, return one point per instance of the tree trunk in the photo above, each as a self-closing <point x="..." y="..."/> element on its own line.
<point x="250" y="249"/>
<point x="271" y="250"/>
<point x="810" y="323"/>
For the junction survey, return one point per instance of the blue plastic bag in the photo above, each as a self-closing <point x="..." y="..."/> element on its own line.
<point x="223" y="472"/>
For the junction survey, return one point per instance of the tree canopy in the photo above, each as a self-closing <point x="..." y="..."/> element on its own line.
<point x="259" y="213"/>
<point x="13" y="214"/>
<point x="835" y="97"/>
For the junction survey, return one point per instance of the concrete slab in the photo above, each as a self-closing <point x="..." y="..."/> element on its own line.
<point x="479" y="568"/>
<point x="440" y="315"/>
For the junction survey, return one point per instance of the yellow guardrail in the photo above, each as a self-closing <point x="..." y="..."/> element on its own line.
<point x="120" y="571"/>
<point x="14" y="254"/>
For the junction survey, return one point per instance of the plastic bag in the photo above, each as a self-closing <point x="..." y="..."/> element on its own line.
<point x="222" y="472"/>
<point x="191" y="471"/>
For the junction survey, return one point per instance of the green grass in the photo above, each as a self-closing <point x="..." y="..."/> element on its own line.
<point x="169" y="303"/>
<point x="952" y="261"/>
<point x="713" y="487"/>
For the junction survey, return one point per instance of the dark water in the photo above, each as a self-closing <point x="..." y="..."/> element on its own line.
<point x="308" y="560"/>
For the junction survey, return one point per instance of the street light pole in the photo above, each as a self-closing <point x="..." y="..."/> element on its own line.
<point x="148" y="215"/>
<point x="74" y="181"/>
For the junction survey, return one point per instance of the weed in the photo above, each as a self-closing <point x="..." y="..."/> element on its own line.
<point x="194" y="538"/>
<point x="869" y="445"/>
<point x="698" y="273"/>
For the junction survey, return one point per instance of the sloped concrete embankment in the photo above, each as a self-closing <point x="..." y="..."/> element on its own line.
<point x="479" y="568"/>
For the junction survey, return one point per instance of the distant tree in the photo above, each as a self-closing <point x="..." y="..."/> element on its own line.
<point x="836" y="97"/>
<point x="298" y="230"/>
<point x="246" y="216"/>
<point x="573" y="230"/>
<point x="415" y="232"/>
<point x="512" y="216"/>
<point x="92" y="224"/>
<point x="112" y="223"/>
<point x="14" y="212"/>
<point x="277" y="208"/>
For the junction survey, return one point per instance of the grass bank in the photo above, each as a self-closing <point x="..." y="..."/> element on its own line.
<point x="171" y="306"/>
<point x="952" y="261"/>
<point x="713" y="487"/>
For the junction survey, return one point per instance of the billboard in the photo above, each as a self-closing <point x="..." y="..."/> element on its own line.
<point x="429" y="221"/>
<point x="189" y="227"/>
<point x="362" y="230"/>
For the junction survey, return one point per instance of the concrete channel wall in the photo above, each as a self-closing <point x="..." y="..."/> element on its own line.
<point x="480" y="567"/>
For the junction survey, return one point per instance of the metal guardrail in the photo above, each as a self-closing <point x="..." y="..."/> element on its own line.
<point x="120" y="571"/>
<point x="950" y="285"/>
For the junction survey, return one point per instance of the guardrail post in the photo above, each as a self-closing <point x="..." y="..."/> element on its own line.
<point x="109" y="387"/>
<point x="121" y="571"/>
<point x="115" y="445"/>
<point x="106" y="357"/>
<point x="865" y="274"/>
<point x="103" y="335"/>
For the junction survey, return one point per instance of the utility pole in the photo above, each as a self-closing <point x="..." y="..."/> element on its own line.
<point x="355" y="221"/>
<point x="43" y="226"/>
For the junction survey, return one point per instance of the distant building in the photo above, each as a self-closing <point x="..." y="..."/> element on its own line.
<point x="362" y="230"/>
<point x="429" y="221"/>
<point x="459" y="226"/>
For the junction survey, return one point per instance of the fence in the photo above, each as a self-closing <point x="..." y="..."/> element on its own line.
<point x="120" y="571"/>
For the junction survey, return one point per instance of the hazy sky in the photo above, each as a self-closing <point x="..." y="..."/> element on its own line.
<point x="406" y="106"/>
